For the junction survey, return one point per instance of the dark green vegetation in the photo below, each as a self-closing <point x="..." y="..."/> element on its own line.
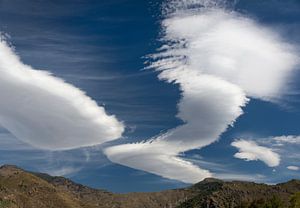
<point x="21" y="189"/>
<point x="295" y="200"/>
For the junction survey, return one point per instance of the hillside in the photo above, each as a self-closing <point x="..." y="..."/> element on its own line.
<point x="22" y="189"/>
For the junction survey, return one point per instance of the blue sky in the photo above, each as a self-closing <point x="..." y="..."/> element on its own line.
<point x="100" y="47"/>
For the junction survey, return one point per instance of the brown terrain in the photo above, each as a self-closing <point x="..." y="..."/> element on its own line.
<point x="22" y="189"/>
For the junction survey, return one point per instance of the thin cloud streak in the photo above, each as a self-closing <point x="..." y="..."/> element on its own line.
<point x="294" y="168"/>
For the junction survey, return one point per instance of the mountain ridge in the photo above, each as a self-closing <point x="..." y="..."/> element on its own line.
<point x="23" y="189"/>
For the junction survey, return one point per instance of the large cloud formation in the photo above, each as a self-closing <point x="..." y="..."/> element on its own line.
<point x="48" y="113"/>
<point x="219" y="59"/>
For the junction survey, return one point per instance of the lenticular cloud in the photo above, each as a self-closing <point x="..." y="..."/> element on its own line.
<point x="220" y="59"/>
<point x="46" y="112"/>
<point x="250" y="150"/>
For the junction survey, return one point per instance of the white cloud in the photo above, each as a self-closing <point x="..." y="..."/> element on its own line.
<point x="218" y="58"/>
<point x="46" y="112"/>
<point x="290" y="139"/>
<point x="241" y="177"/>
<point x="250" y="150"/>
<point x="157" y="159"/>
<point x="295" y="168"/>
<point x="63" y="171"/>
<point x="287" y="146"/>
<point x="202" y="107"/>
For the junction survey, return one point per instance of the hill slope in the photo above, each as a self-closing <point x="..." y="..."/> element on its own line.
<point x="22" y="189"/>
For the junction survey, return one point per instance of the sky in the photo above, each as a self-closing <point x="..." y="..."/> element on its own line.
<point x="129" y="95"/>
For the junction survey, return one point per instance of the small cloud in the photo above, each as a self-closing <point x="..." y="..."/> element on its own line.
<point x="290" y="139"/>
<point x="240" y="176"/>
<point x="294" y="168"/>
<point x="250" y="151"/>
<point x="62" y="171"/>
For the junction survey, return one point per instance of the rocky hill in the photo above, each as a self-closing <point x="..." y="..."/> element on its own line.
<point x="22" y="189"/>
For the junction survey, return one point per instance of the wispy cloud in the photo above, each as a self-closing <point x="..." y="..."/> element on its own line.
<point x="249" y="151"/>
<point x="241" y="177"/>
<point x="219" y="59"/>
<point x="290" y="139"/>
<point x="8" y="142"/>
<point x="46" y="112"/>
<point x="62" y="171"/>
<point x="295" y="168"/>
